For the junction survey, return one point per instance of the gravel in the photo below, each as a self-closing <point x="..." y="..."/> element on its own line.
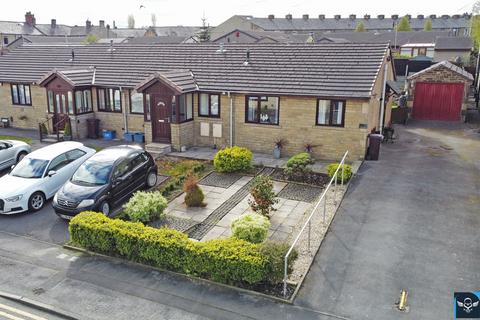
<point x="300" y="192"/>
<point x="318" y="231"/>
<point x="221" y="180"/>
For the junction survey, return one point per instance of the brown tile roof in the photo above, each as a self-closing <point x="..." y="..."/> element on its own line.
<point x="329" y="70"/>
<point x="76" y="77"/>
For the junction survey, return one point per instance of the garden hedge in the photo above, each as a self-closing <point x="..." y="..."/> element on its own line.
<point x="232" y="159"/>
<point x="230" y="261"/>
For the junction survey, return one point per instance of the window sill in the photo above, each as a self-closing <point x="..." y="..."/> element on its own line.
<point x="209" y="118"/>
<point x="22" y="105"/>
<point x="263" y="125"/>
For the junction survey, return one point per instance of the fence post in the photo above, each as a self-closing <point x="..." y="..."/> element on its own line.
<point x="343" y="169"/>
<point x="285" y="277"/>
<point x="335" y="189"/>
<point x="309" y="231"/>
<point x="324" y="207"/>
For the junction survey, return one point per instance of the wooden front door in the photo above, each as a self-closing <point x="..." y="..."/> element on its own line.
<point x="161" y="117"/>
<point x="61" y="107"/>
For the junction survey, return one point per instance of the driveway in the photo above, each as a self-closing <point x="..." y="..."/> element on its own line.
<point x="410" y="221"/>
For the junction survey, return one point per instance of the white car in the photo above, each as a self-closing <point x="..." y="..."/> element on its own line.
<point x="11" y="152"/>
<point x="39" y="175"/>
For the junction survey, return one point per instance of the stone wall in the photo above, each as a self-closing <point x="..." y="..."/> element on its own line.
<point x="24" y="116"/>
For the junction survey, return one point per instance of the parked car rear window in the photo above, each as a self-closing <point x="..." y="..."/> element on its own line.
<point x="92" y="173"/>
<point x="30" y="168"/>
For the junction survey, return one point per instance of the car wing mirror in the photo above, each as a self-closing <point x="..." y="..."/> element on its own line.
<point x="52" y="173"/>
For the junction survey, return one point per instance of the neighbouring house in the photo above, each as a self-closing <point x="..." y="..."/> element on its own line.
<point x="242" y="36"/>
<point x="11" y="30"/>
<point x="328" y="95"/>
<point x="440" y="92"/>
<point x="456" y="24"/>
<point x="456" y="49"/>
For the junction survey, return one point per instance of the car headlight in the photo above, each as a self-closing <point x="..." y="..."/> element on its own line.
<point x="55" y="197"/>
<point x="86" y="203"/>
<point x="15" y="198"/>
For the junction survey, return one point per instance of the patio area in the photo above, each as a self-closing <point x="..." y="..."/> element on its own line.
<point x="259" y="159"/>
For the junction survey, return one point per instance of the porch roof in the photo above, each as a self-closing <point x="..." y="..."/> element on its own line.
<point x="75" y="77"/>
<point x="180" y="81"/>
<point x="326" y="70"/>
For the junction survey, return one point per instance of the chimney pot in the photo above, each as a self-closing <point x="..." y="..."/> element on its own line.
<point x="321" y="16"/>
<point x="30" y="18"/>
<point x="433" y="16"/>
<point x="409" y="16"/>
<point x="288" y="17"/>
<point x="88" y="25"/>
<point x="353" y="17"/>
<point x="101" y="23"/>
<point x="53" y="23"/>
<point x="271" y="17"/>
<point x="445" y="16"/>
<point x="394" y="16"/>
<point x="381" y="16"/>
<point x="456" y="16"/>
<point x="305" y="17"/>
<point x="366" y="17"/>
<point x="337" y="17"/>
<point x="420" y="16"/>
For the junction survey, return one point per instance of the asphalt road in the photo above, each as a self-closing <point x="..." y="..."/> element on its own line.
<point x="410" y="221"/>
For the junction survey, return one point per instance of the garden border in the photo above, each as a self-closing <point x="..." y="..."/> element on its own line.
<point x="302" y="279"/>
<point x="186" y="276"/>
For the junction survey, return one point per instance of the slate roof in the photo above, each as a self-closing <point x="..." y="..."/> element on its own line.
<point x="454" y="43"/>
<point x="329" y="70"/>
<point x="180" y="31"/>
<point x="13" y="27"/>
<point x="402" y="38"/>
<point x="156" y="40"/>
<point x="345" y="23"/>
<point x="257" y="36"/>
<point x="444" y="64"/>
<point x="58" y="30"/>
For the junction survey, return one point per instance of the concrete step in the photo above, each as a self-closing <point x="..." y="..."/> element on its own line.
<point x="50" y="140"/>
<point x="158" y="149"/>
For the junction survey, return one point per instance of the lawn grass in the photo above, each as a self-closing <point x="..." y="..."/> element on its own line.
<point x="24" y="139"/>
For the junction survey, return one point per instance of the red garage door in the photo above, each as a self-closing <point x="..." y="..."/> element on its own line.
<point x="438" y="101"/>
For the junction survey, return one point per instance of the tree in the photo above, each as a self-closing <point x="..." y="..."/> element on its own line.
<point x="204" y="34"/>
<point x="91" y="38"/>
<point x="360" y="27"/>
<point x="131" y="21"/>
<point x="404" y="24"/>
<point x="476" y="31"/>
<point x="154" y="20"/>
<point x="428" y="25"/>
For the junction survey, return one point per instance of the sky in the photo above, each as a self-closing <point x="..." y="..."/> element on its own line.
<point x="183" y="12"/>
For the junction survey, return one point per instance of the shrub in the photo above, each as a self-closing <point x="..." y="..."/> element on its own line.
<point x="43" y="128"/>
<point x="145" y="206"/>
<point x="67" y="130"/>
<point x="251" y="227"/>
<point x="275" y="252"/>
<point x="298" y="165"/>
<point x="233" y="159"/>
<point x="347" y="171"/>
<point x="264" y="197"/>
<point x="193" y="194"/>
<point x="229" y="261"/>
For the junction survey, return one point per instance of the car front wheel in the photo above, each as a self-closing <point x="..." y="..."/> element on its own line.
<point x="151" y="179"/>
<point x="20" y="156"/>
<point x="36" y="201"/>
<point x="105" y="208"/>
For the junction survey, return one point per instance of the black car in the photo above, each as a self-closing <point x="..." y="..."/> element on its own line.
<point x="105" y="181"/>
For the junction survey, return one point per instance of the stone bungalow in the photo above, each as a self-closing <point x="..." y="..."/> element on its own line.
<point x="327" y="95"/>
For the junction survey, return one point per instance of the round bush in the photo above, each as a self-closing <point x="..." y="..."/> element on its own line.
<point x="193" y="194"/>
<point x="233" y="159"/>
<point x="251" y="227"/>
<point x="145" y="206"/>
<point x="347" y="171"/>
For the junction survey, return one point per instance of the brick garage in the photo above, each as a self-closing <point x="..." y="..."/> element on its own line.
<point x="440" y="92"/>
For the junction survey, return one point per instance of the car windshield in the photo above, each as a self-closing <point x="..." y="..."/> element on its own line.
<point x="92" y="172"/>
<point x="29" y="168"/>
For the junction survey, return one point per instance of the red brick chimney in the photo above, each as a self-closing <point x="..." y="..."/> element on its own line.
<point x="29" y="19"/>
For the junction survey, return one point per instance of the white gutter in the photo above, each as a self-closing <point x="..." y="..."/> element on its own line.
<point x="231" y="118"/>
<point x="382" y="99"/>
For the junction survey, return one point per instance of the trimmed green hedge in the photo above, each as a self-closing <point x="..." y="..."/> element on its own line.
<point x="232" y="159"/>
<point x="230" y="261"/>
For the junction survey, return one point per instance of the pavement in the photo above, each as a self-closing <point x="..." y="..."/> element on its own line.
<point x="409" y="221"/>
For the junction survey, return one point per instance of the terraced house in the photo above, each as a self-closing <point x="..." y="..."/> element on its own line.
<point x="326" y="95"/>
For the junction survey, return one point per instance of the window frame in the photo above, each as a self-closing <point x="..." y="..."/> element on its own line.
<point x="330" y="115"/>
<point x="130" y="92"/>
<point x="18" y="103"/>
<point x="109" y="105"/>
<point x="82" y="91"/>
<point x="147" y="115"/>
<point x="259" y="101"/>
<point x="209" y="115"/>
<point x="184" y="96"/>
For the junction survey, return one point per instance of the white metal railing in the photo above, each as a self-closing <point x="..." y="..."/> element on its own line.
<point x="308" y="223"/>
